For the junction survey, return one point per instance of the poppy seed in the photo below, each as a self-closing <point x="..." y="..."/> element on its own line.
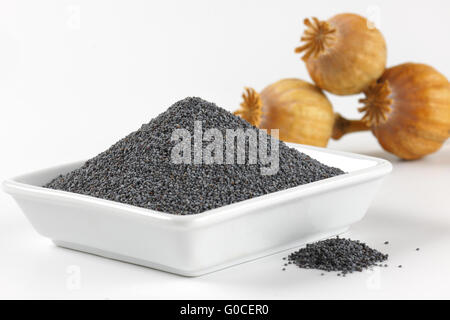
<point x="337" y="254"/>
<point x="138" y="170"/>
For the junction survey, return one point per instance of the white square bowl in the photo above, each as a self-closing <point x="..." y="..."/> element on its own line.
<point x="198" y="244"/>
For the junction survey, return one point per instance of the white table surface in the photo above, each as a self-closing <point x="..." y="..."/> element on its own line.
<point x="76" y="76"/>
<point x="412" y="210"/>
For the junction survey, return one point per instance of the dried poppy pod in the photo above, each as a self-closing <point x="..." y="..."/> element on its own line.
<point x="407" y="109"/>
<point x="300" y="111"/>
<point x="344" y="54"/>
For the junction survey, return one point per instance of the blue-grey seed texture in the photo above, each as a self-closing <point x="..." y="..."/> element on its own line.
<point x="137" y="170"/>
<point x="337" y="254"/>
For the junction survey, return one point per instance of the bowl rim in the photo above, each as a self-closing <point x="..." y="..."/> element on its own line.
<point x="382" y="167"/>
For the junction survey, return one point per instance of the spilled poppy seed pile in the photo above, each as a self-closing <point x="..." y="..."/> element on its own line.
<point x="337" y="254"/>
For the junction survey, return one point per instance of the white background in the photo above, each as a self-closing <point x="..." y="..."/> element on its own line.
<point x="76" y="76"/>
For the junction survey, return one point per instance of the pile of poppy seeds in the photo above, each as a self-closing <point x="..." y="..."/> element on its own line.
<point x="138" y="170"/>
<point x="337" y="254"/>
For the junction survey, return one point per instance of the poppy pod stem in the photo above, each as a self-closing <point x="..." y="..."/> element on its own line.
<point x="342" y="126"/>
